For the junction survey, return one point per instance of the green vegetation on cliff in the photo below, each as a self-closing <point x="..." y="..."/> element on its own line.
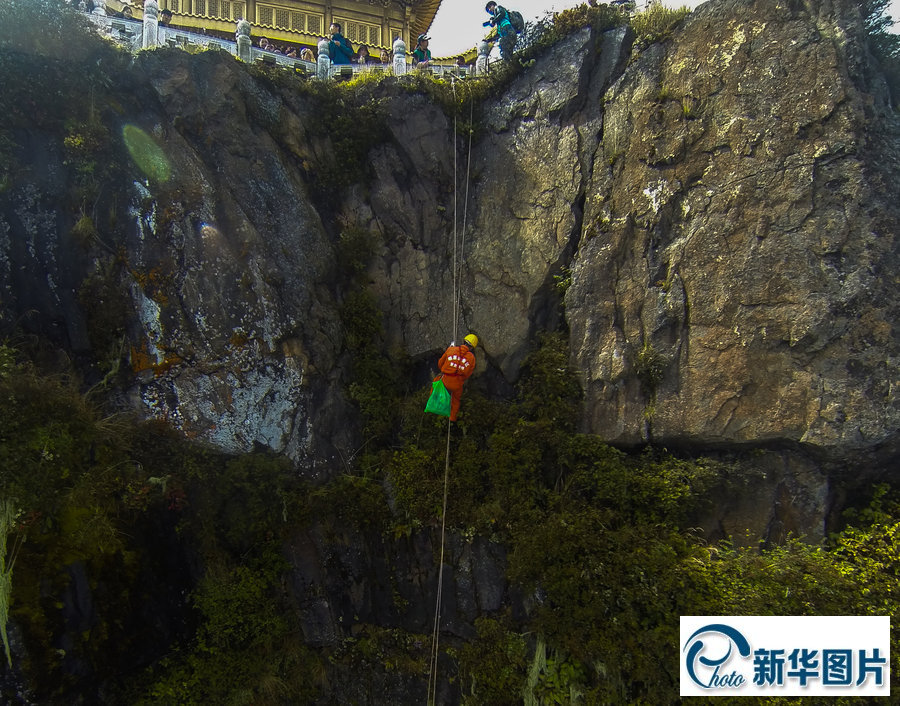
<point x="599" y="545"/>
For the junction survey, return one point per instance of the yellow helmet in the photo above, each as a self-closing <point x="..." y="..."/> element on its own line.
<point x="472" y="340"/>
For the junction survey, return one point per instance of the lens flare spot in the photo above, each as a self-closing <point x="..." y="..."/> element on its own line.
<point x="208" y="231"/>
<point x="148" y="155"/>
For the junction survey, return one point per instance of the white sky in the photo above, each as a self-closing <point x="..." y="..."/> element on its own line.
<point x="457" y="25"/>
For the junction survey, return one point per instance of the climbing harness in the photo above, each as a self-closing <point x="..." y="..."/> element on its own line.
<point x="435" y="637"/>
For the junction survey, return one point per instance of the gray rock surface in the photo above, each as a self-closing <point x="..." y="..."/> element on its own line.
<point x="738" y="232"/>
<point x="721" y="203"/>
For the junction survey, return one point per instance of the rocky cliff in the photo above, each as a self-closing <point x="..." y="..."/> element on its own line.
<point x="709" y="220"/>
<point x="737" y="239"/>
<point x="718" y="205"/>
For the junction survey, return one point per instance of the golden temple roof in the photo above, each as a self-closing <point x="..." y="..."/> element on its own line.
<point x="425" y="12"/>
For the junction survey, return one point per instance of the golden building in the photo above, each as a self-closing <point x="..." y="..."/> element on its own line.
<point x="373" y="22"/>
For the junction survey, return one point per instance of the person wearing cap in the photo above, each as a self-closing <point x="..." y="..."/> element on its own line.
<point x="505" y="30"/>
<point x="456" y="365"/>
<point x="421" y="55"/>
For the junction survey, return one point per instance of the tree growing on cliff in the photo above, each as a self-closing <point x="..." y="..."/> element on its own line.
<point x="878" y="23"/>
<point x="884" y="44"/>
<point x="7" y="518"/>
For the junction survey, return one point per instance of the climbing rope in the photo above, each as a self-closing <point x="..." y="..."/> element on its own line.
<point x="454" y="303"/>
<point x="431" y="697"/>
<point x="466" y="197"/>
<point x="436" y="631"/>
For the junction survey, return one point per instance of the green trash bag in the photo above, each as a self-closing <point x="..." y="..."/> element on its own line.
<point x="439" y="402"/>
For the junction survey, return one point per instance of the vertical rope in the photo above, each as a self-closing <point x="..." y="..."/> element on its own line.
<point x="435" y="633"/>
<point x="455" y="301"/>
<point x="466" y="197"/>
<point x="435" y="639"/>
<point x="431" y="696"/>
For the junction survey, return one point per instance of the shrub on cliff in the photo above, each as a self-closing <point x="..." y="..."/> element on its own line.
<point x="554" y="27"/>
<point x="64" y="469"/>
<point x="49" y="29"/>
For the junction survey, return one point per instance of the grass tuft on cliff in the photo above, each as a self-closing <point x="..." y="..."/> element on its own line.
<point x="657" y="22"/>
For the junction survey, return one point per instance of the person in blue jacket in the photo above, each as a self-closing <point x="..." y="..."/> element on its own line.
<point x="505" y="29"/>
<point x="340" y="48"/>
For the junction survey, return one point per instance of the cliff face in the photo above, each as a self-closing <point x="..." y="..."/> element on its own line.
<point x="738" y="237"/>
<point x="718" y="206"/>
<point x="709" y="219"/>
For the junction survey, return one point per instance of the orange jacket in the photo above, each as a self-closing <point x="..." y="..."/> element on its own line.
<point x="457" y="361"/>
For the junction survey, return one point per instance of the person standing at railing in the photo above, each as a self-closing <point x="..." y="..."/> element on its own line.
<point x="362" y="55"/>
<point x="307" y="55"/>
<point x="421" y="56"/>
<point x="385" y="58"/>
<point x="165" y="20"/>
<point x="125" y="13"/>
<point x="339" y="47"/>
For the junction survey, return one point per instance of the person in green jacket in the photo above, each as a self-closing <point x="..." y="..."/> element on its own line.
<point x="421" y="56"/>
<point x="339" y="47"/>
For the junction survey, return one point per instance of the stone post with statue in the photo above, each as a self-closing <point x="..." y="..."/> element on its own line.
<point x="481" y="63"/>
<point x="151" y="24"/>
<point x="399" y="48"/>
<point x="242" y="38"/>
<point x="323" y="63"/>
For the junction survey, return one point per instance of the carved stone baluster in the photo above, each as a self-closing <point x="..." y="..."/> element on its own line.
<point x="323" y="65"/>
<point x="481" y="63"/>
<point x="242" y="37"/>
<point x="151" y="24"/>
<point x="399" y="48"/>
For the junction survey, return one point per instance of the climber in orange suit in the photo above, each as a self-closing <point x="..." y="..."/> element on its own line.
<point x="457" y="363"/>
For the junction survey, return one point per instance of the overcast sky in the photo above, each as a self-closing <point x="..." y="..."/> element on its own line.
<point x="457" y="25"/>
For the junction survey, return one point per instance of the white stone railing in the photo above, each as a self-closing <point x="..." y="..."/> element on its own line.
<point x="147" y="33"/>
